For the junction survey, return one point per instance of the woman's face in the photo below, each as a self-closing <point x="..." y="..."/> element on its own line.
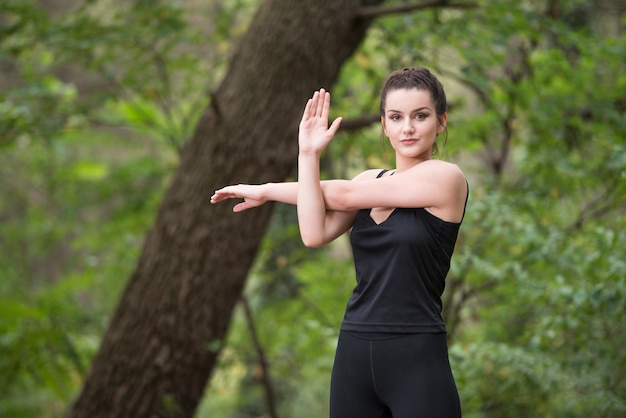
<point x="411" y="124"/>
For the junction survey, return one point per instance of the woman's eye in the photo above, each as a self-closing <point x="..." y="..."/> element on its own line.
<point x="395" y="117"/>
<point x="420" y="116"/>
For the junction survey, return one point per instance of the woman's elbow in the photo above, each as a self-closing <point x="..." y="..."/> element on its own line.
<point x="312" y="241"/>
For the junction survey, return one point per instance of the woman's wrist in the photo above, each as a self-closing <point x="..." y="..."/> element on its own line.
<point x="265" y="191"/>
<point x="285" y="192"/>
<point x="308" y="153"/>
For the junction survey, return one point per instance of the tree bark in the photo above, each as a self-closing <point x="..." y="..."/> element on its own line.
<point x="172" y="319"/>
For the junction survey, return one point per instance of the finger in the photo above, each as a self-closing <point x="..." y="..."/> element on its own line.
<point x="325" y="111"/>
<point x="224" y="193"/>
<point x="307" y="110"/>
<point x="240" y="207"/>
<point x="335" y="126"/>
<point x="312" y="106"/>
<point x="321" y="103"/>
<point x="216" y="197"/>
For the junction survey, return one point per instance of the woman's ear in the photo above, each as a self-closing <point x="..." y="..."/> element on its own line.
<point x="443" y="122"/>
<point x="382" y="122"/>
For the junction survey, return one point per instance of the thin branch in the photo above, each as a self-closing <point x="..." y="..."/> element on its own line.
<point x="267" y="382"/>
<point x="459" y="296"/>
<point x="372" y="12"/>
<point x="349" y="125"/>
<point x="606" y="202"/>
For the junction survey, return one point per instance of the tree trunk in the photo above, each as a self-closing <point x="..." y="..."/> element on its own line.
<point x="163" y="340"/>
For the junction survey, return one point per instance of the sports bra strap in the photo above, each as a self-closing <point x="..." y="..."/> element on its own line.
<point x="381" y="173"/>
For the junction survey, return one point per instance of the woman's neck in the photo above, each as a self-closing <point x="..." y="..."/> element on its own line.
<point x="403" y="164"/>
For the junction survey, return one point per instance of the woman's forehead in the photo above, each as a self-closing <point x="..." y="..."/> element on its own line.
<point x="399" y="99"/>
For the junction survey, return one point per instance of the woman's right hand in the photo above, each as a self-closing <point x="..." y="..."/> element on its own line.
<point x="251" y="195"/>
<point x="314" y="133"/>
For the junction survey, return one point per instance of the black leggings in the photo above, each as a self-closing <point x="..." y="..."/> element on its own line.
<point x="394" y="376"/>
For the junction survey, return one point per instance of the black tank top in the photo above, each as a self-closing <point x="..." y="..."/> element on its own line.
<point x="401" y="265"/>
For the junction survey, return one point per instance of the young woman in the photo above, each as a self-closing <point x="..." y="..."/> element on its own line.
<point x="392" y="355"/>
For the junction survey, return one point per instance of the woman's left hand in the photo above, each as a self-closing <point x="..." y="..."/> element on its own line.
<point x="251" y="195"/>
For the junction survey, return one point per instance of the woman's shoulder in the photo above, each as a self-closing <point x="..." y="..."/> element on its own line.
<point x="438" y="171"/>
<point x="369" y="174"/>
<point x="441" y="166"/>
<point x="441" y="170"/>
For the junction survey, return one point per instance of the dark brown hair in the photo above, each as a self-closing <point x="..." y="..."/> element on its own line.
<point x="419" y="78"/>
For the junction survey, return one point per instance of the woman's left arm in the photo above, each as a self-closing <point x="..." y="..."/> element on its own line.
<point x="435" y="185"/>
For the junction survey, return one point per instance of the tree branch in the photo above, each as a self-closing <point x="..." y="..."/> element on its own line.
<point x="267" y="383"/>
<point x="458" y="296"/>
<point x="607" y="201"/>
<point x="349" y="125"/>
<point x="372" y="12"/>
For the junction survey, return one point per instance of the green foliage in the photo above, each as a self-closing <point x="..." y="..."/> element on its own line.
<point x="557" y="296"/>
<point x="95" y="104"/>
<point x="543" y="240"/>
<point x="504" y="381"/>
<point x="98" y="101"/>
<point x="40" y="352"/>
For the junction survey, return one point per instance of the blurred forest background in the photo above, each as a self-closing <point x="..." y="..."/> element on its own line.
<point x="97" y="98"/>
